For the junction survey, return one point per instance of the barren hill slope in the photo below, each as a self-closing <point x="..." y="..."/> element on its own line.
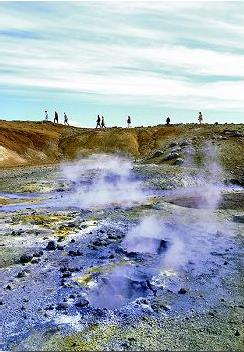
<point x="38" y="143"/>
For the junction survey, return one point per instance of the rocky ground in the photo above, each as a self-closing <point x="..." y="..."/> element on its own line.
<point x="107" y="259"/>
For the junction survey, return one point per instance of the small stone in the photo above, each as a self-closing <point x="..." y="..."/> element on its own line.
<point x="171" y="156"/>
<point x="8" y="287"/>
<point x="238" y="218"/>
<point x="182" y="291"/>
<point x="59" y="247"/>
<point x="157" y="153"/>
<point x="173" y="144"/>
<point x="237" y="333"/>
<point x="82" y="303"/>
<point x="73" y="240"/>
<point x="62" y="306"/>
<point x="66" y="274"/>
<point x="179" y="161"/>
<point x="25" y="258"/>
<point x="51" y="246"/>
<point x="22" y="274"/>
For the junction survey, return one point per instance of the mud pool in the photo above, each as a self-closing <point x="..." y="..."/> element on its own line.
<point x="104" y="254"/>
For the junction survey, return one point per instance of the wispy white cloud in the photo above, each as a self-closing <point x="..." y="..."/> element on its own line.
<point x="132" y="50"/>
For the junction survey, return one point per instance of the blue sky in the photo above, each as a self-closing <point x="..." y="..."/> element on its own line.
<point x="146" y="59"/>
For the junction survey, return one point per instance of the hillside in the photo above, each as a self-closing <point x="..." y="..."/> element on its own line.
<point x="24" y="143"/>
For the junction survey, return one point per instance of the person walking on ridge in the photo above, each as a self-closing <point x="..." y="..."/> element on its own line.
<point x="66" y="119"/>
<point x="200" y="118"/>
<point x="55" y="117"/>
<point x="46" y="115"/>
<point x="98" y="121"/>
<point x="168" y="121"/>
<point x="128" y="121"/>
<point x="103" y="123"/>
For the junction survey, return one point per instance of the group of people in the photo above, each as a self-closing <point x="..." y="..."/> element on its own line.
<point x="101" y="122"/>
<point x="56" y="118"/>
<point x="200" y="119"/>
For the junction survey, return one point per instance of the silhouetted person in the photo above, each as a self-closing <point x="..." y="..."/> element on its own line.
<point x="66" y="119"/>
<point x="98" y="121"/>
<point x="200" y="118"/>
<point x="167" y="121"/>
<point x="55" y="117"/>
<point x="128" y="121"/>
<point x="46" y="115"/>
<point x="103" y="123"/>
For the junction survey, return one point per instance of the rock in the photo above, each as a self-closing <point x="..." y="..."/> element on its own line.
<point x="157" y="153"/>
<point x="74" y="253"/>
<point x="38" y="255"/>
<point x="35" y="261"/>
<point x="50" y="307"/>
<point x="51" y="246"/>
<point x="173" y="144"/>
<point x="237" y="333"/>
<point x="63" y="269"/>
<point x="182" y="291"/>
<point x="185" y="143"/>
<point x="22" y="274"/>
<point x="171" y="156"/>
<point x="25" y="258"/>
<point x="62" y="306"/>
<point x="72" y="241"/>
<point x="238" y="218"/>
<point x="82" y="303"/>
<point x="8" y="287"/>
<point x="237" y="134"/>
<point x="179" y="161"/>
<point x="66" y="274"/>
<point x="59" y="247"/>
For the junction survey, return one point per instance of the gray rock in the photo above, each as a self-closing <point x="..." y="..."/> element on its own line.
<point x="237" y="134"/>
<point x="182" y="291"/>
<point x="51" y="246"/>
<point x="157" y="153"/>
<point x="22" y="274"/>
<point x="173" y="144"/>
<point x="185" y="142"/>
<point x="171" y="156"/>
<point x="179" y="161"/>
<point x="25" y="258"/>
<point x="238" y="218"/>
<point x="82" y="303"/>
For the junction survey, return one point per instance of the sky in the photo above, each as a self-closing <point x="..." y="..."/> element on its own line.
<point x="147" y="59"/>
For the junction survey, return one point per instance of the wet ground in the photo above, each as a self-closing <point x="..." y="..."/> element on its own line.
<point x="99" y="259"/>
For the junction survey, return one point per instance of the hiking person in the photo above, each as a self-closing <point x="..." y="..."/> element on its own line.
<point x="98" y="121"/>
<point x="55" y="117"/>
<point x="66" y="119"/>
<point x="129" y="121"/>
<point x="46" y="115"/>
<point x="200" y="118"/>
<point x="167" y="121"/>
<point x="103" y="123"/>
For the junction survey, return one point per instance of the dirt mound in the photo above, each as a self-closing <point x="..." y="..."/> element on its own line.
<point x="39" y="143"/>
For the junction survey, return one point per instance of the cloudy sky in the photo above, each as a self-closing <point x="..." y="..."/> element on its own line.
<point x="146" y="59"/>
